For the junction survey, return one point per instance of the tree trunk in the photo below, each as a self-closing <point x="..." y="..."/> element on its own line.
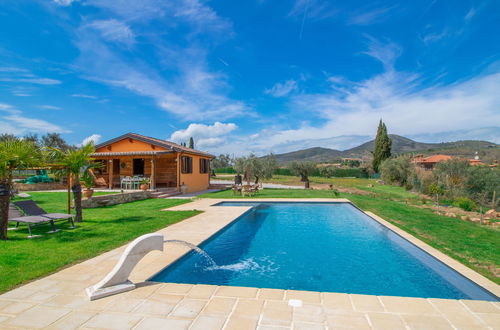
<point x="77" y="195"/>
<point x="306" y="184"/>
<point x="4" y="209"/>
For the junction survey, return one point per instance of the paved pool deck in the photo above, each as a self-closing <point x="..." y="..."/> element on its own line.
<point x="58" y="301"/>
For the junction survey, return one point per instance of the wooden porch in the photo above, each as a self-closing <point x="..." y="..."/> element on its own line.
<point x="159" y="167"/>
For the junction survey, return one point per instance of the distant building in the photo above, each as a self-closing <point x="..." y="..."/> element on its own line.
<point x="429" y="162"/>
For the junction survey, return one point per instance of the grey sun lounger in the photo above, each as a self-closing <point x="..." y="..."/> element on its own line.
<point x="36" y="215"/>
<point x="34" y="220"/>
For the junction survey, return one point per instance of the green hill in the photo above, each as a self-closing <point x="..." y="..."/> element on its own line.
<point x="400" y="145"/>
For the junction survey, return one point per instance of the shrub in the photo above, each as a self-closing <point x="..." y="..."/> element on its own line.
<point x="225" y="170"/>
<point x="465" y="203"/>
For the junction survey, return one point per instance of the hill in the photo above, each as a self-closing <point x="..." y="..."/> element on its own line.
<point x="400" y="145"/>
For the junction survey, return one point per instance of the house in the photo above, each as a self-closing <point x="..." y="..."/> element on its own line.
<point x="429" y="162"/>
<point x="166" y="164"/>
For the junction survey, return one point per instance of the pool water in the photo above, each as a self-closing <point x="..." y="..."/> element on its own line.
<point x="331" y="247"/>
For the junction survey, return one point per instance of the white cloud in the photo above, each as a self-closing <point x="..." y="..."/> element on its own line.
<point x="93" y="138"/>
<point x="64" y="2"/>
<point x="204" y="135"/>
<point x="15" y="122"/>
<point x="282" y="89"/>
<point x="433" y="113"/>
<point x="114" y="30"/>
<point x="50" y="107"/>
<point x="313" y="9"/>
<point x="85" y="96"/>
<point x="190" y="85"/>
<point x="371" y="16"/>
<point x="470" y="14"/>
<point x="36" y="81"/>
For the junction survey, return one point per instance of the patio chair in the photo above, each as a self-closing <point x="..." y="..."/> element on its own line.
<point x="247" y="190"/>
<point x="30" y="208"/>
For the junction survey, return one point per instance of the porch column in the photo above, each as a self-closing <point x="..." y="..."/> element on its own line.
<point x="153" y="173"/>
<point x="110" y="171"/>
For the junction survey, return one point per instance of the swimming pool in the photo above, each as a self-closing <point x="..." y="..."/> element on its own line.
<point x="313" y="246"/>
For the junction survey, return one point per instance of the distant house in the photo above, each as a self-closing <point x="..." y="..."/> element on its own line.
<point x="430" y="162"/>
<point x="165" y="164"/>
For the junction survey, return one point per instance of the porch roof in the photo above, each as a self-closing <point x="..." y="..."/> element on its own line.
<point x="131" y="153"/>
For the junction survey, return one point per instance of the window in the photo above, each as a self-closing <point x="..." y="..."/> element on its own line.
<point x="204" y="165"/>
<point x="186" y="164"/>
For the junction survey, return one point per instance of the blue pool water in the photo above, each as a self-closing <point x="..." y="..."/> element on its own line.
<point x="318" y="247"/>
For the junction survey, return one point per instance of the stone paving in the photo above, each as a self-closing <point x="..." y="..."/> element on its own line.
<point x="58" y="301"/>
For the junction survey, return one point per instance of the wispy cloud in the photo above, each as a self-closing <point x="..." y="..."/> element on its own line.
<point x="204" y="135"/>
<point x="64" y="2"/>
<point x="352" y="109"/>
<point x="50" y="107"/>
<point x="282" y="89"/>
<point x="85" y="96"/>
<point x="114" y="30"/>
<point x="15" y="122"/>
<point x="367" y="17"/>
<point x="313" y="9"/>
<point x="387" y="53"/>
<point x="36" y="81"/>
<point x="470" y="14"/>
<point x="194" y="89"/>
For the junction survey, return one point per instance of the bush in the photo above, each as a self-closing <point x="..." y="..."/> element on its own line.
<point x="396" y="170"/>
<point x="465" y="204"/>
<point x="225" y="170"/>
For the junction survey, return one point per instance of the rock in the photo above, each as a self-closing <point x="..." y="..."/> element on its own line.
<point x="475" y="219"/>
<point x="491" y="214"/>
<point x="370" y="186"/>
<point x="450" y="214"/>
<point x="464" y="217"/>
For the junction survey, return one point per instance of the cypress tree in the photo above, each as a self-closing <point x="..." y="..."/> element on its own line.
<point x="382" y="146"/>
<point x="191" y="143"/>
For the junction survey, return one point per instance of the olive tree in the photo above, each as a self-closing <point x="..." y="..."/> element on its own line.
<point x="303" y="169"/>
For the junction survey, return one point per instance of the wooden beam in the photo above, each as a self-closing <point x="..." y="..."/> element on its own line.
<point x="110" y="171"/>
<point x="153" y="173"/>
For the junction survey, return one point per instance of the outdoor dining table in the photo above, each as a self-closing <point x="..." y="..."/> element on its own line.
<point x="131" y="182"/>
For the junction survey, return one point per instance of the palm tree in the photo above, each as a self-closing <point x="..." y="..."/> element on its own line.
<point x="15" y="154"/>
<point x="75" y="162"/>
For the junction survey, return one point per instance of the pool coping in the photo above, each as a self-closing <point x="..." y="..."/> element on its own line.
<point x="59" y="300"/>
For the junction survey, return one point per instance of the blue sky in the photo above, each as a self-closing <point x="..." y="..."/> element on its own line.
<point x="251" y="75"/>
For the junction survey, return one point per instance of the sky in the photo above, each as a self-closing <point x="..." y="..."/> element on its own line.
<point x="251" y="75"/>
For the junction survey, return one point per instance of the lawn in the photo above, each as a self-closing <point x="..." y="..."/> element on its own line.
<point x="475" y="246"/>
<point x="23" y="259"/>
<point x="369" y="185"/>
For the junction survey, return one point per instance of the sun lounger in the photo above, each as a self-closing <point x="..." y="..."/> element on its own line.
<point x="34" y="220"/>
<point x="30" y="208"/>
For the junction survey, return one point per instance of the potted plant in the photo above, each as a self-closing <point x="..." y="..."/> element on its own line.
<point x="144" y="184"/>
<point x="88" y="183"/>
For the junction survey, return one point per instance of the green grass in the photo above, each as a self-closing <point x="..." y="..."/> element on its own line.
<point x="475" y="246"/>
<point x="23" y="259"/>
<point x="385" y="191"/>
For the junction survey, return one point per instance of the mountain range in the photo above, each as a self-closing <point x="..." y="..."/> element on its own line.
<point x="400" y="145"/>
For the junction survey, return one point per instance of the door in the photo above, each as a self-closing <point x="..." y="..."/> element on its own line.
<point x="138" y="166"/>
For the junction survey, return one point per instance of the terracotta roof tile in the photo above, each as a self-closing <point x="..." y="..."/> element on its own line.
<point x="162" y="143"/>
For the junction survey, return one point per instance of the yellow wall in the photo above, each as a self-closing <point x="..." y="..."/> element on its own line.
<point x="129" y="145"/>
<point x="195" y="181"/>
